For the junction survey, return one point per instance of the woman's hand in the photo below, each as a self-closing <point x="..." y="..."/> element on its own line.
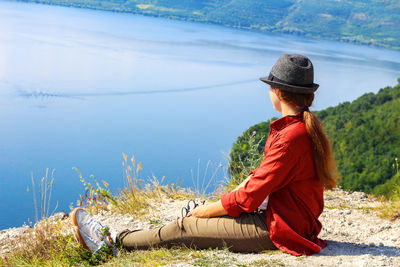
<point x="201" y="211"/>
<point x="209" y="210"/>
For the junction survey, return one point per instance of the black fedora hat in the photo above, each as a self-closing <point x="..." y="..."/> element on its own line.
<point x="293" y="73"/>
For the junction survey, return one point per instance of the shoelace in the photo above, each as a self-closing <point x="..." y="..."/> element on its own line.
<point x="189" y="207"/>
<point x="94" y="228"/>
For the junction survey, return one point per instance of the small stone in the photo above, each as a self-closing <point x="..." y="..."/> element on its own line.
<point x="381" y="244"/>
<point x="60" y="216"/>
<point x="347" y="212"/>
<point x="372" y="244"/>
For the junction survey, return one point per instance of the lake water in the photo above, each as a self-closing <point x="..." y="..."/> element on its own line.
<point x="80" y="87"/>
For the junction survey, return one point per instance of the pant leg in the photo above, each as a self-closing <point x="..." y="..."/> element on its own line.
<point x="246" y="233"/>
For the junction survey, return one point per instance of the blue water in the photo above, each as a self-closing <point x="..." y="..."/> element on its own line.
<point x="80" y="87"/>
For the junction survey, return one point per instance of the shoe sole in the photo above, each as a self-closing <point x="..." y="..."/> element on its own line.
<point x="77" y="234"/>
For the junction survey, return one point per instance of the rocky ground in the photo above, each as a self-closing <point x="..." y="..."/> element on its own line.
<point x="356" y="235"/>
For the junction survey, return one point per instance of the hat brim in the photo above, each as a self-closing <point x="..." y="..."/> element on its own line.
<point x="291" y="88"/>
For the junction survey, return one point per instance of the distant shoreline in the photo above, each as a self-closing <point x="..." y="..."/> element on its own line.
<point x="264" y="29"/>
<point x="103" y="53"/>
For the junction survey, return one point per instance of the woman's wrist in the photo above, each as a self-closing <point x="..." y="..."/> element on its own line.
<point x="210" y="210"/>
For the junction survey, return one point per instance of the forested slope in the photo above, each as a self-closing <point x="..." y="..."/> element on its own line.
<point x="372" y="22"/>
<point x="365" y="136"/>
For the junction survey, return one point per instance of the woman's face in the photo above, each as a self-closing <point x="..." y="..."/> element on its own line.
<point x="275" y="99"/>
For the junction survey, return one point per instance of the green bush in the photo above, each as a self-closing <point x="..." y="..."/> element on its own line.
<point x="365" y="135"/>
<point x="247" y="152"/>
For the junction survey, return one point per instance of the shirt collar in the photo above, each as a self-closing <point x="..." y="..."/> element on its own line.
<point x="283" y="122"/>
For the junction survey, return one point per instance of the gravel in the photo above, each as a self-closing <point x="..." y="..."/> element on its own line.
<point x="356" y="235"/>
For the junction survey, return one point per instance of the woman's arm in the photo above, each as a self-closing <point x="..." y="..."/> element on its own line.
<point x="242" y="183"/>
<point x="209" y="210"/>
<point x="214" y="209"/>
<point x="275" y="172"/>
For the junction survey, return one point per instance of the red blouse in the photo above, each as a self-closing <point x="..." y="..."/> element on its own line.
<point x="287" y="174"/>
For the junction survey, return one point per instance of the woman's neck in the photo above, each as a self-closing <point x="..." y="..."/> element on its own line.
<point x="288" y="109"/>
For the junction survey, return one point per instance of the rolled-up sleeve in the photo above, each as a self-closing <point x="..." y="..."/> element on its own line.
<point x="274" y="172"/>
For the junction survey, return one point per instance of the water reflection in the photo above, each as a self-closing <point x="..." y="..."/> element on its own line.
<point x="45" y="95"/>
<point x="79" y="87"/>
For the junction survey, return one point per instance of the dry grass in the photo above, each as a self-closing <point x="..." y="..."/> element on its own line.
<point x="391" y="205"/>
<point x="49" y="242"/>
<point x="136" y="196"/>
<point x="390" y="210"/>
<point x="239" y="166"/>
<point x="46" y="244"/>
<point x="136" y="201"/>
<point x="154" y="257"/>
<point x="182" y="255"/>
<point x="96" y="197"/>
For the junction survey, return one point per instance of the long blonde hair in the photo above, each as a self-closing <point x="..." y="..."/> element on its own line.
<point x="323" y="156"/>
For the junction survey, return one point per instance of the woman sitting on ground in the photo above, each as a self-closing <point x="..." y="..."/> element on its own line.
<point x="277" y="206"/>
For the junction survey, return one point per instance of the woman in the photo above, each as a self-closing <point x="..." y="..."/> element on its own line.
<point x="277" y="206"/>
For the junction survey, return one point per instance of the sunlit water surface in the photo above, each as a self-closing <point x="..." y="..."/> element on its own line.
<point x="80" y="87"/>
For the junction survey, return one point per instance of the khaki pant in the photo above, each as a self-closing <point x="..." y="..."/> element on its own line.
<point x="247" y="233"/>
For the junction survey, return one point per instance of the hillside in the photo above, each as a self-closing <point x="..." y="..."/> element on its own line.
<point x="369" y="22"/>
<point x="365" y="136"/>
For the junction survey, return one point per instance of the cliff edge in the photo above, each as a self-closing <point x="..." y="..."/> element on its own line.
<point x="357" y="236"/>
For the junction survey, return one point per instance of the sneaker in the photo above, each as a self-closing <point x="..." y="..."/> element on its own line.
<point x="88" y="231"/>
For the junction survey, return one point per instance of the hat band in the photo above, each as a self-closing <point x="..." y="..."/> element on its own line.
<point x="272" y="78"/>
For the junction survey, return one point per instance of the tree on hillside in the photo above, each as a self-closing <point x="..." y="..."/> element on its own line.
<point x="365" y="135"/>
